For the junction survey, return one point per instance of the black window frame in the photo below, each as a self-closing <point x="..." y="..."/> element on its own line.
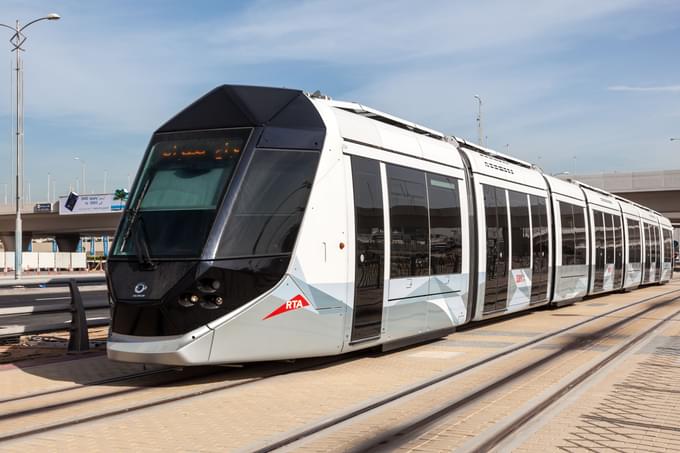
<point x="236" y="236"/>
<point x="408" y="222"/>
<point x="449" y="258"/>
<point x="520" y="230"/>
<point x="573" y="234"/>
<point x="634" y="242"/>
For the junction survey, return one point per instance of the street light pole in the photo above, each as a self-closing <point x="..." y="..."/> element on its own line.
<point x="480" y="137"/>
<point x="17" y="40"/>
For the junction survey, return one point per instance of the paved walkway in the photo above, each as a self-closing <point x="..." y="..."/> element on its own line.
<point x="267" y="401"/>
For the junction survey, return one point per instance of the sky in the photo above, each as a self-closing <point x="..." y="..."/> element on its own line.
<point x="580" y="86"/>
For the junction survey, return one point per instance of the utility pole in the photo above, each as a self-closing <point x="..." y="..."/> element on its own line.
<point x="49" y="199"/>
<point x="480" y="136"/>
<point x="17" y="40"/>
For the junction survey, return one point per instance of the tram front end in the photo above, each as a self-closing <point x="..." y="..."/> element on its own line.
<point x="211" y="221"/>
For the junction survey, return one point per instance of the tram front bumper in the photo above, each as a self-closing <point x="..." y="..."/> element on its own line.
<point x="192" y="348"/>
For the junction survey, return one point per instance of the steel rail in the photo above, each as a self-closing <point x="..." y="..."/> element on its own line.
<point x="335" y="420"/>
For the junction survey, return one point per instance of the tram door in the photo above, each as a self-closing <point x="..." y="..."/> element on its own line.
<point x="657" y="252"/>
<point x="646" y="278"/>
<point x="496" y="214"/>
<point x="539" y="274"/>
<point x="598" y="221"/>
<point x="370" y="249"/>
<point x="618" y="252"/>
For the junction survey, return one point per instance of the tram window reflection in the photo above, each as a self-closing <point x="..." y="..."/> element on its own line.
<point x="409" y="229"/>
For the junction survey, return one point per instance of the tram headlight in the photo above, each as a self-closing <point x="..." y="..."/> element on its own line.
<point x="188" y="300"/>
<point x="212" y="302"/>
<point x="208" y="285"/>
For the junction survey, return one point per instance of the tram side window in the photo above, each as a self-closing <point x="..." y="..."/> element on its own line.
<point x="609" y="238"/>
<point x="520" y="231"/>
<point x="270" y="205"/>
<point x="657" y="245"/>
<point x="579" y="235"/>
<point x="410" y="238"/>
<point x="634" y="249"/>
<point x="568" y="245"/>
<point x="648" y="244"/>
<point x="446" y="243"/>
<point x="667" y="246"/>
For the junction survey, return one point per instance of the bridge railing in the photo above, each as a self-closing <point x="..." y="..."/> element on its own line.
<point x="73" y="303"/>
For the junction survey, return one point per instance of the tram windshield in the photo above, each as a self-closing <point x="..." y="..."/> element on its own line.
<point x="178" y="193"/>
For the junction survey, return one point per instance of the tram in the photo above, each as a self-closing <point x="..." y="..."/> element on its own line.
<point x="267" y="224"/>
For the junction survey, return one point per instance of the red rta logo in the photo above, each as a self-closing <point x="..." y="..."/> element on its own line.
<point x="293" y="304"/>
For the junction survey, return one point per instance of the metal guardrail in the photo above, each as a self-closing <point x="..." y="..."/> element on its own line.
<point x="78" y="325"/>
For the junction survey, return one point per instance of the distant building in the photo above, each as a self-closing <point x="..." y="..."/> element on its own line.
<point x="659" y="190"/>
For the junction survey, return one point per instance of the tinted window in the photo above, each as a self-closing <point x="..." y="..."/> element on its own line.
<point x="173" y="206"/>
<point x="634" y="252"/>
<point x="609" y="238"/>
<point x="667" y="246"/>
<point x="370" y="248"/>
<point x="648" y="251"/>
<point x="270" y="205"/>
<point x="520" y="231"/>
<point x="598" y="221"/>
<point x="410" y="238"/>
<point x="496" y="285"/>
<point x="618" y="252"/>
<point x="539" y="223"/>
<point x="657" y="247"/>
<point x="579" y="235"/>
<point x="568" y="244"/>
<point x="445" y="231"/>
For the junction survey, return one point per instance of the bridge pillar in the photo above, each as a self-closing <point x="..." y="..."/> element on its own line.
<point x="10" y="245"/>
<point x="67" y="242"/>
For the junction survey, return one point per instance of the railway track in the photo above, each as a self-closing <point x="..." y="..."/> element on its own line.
<point x="392" y="422"/>
<point x="40" y="412"/>
<point x="23" y="416"/>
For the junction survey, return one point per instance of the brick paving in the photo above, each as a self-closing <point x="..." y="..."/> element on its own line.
<point x="629" y="407"/>
<point x="495" y="405"/>
<point x="244" y="417"/>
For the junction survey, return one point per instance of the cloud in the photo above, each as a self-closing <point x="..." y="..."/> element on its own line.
<point x="107" y="74"/>
<point x="355" y="31"/>
<point x="661" y="89"/>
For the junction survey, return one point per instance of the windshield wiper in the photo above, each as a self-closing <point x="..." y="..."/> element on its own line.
<point x="141" y="245"/>
<point x="139" y="240"/>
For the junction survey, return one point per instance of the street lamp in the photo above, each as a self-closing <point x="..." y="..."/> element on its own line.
<point x="479" y="120"/>
<point x="82" y="174"/>
<point x="17" y="40"/>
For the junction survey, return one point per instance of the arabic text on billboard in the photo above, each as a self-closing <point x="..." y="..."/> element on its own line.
<point x="89" y="204"/>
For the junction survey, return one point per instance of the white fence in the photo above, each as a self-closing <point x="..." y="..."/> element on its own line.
<point x="48" y="261"/>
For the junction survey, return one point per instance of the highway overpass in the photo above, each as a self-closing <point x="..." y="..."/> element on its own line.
<point x="66" y="229"/>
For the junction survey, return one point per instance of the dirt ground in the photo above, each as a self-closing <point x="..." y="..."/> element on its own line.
<point x="47" y="345"/>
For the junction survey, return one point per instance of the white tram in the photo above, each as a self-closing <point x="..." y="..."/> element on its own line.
<point x="269" y="224"/>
